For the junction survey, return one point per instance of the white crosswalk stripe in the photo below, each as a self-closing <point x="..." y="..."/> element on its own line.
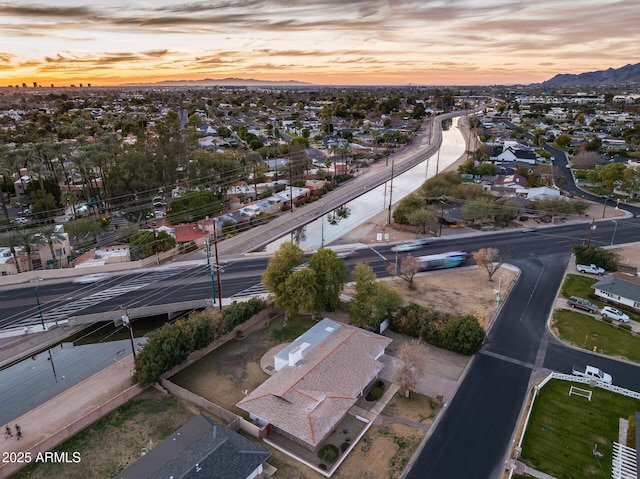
<point x="62" y="313"/>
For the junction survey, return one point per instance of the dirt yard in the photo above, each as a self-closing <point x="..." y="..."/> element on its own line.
<point x="458" y="291"/>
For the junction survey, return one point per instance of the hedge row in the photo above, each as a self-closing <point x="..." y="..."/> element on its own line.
<point x="460" y="334"/>
<point x="171" y="344"/>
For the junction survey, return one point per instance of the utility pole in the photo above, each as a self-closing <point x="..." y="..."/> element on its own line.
<point x="291" y="179"/>
<point x="215" y="247"/>
<point x="391" y="191"/>
<point x="322" y="227"/>
<point x="591" y="228"/>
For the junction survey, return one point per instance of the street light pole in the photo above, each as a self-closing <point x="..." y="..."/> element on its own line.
<point x="391" y="191"/>
<point x="591" y="228"/>
<point x="127" y="322"/>
<point x="44" y="328"/>
<point x="604" y="210"/>
<point x="615" y="227"/>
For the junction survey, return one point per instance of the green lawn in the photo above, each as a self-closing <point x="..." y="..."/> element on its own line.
<point x="586" y="332"/>
<point x="577" y="285"/>
<point x="563" y="431"/>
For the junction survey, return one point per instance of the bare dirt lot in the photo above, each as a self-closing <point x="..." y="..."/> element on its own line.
<point x="458" y="291"/>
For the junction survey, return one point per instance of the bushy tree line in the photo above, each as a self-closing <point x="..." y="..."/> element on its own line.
<point x="171" y="344"/>
<point x="604" y="258"/>
<point x="460" y="334"/>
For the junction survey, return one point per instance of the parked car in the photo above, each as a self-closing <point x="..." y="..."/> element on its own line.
<point x="580" y="303"/>
<point x="613" y="313"/>
<point x="592" y="372"/>
<point x="590" y="268"/>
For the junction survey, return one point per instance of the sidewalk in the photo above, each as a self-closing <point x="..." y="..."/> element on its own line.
<point x="65" y="415"/>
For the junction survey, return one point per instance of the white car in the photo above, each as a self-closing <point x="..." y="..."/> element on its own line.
<point x="92" y="278"/>
<point x="613" y="313"/>
<point x="406" y="247"/>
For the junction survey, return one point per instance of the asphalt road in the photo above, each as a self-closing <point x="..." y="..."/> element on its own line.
<point x="60" y="299"/>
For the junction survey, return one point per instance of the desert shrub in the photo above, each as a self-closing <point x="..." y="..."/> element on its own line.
<point x="328" y="453"/>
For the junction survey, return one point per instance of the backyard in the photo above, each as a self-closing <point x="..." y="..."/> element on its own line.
<point x="116" y="441"/>
<point x="570" y="436"/>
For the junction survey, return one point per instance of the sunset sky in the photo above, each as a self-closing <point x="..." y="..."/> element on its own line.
<point x="361" y="42"/>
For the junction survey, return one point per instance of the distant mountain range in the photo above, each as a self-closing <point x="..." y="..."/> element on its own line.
<point x="224" y="82"/>
<point x="626" y="75"/>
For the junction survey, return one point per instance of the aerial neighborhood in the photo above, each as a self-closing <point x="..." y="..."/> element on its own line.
<point x="270" y="304"/>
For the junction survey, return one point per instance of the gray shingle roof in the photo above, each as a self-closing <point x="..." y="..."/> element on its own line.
<point x="200" y="448"/>
<point x="620" y="285"/>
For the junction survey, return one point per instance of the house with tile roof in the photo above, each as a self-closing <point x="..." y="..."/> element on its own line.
<point x="619" y="288"/>
<point x="201" y="448"/>
<point x="321" y="376"/>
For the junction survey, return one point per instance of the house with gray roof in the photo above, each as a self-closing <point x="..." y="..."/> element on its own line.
<point x="321" y="376"/>
<point x="200" y="448"/>
<point x="619" y="288"/>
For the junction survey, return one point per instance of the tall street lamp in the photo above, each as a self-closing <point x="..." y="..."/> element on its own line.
<point x="127" y="322"/>
<point x="44" y="328"/>
<point x="615" y="227"/>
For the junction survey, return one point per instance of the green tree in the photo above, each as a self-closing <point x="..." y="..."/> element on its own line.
<point x="299" y="292"/>
<point x="373" y="301"/>
<point x="280" y="266"/>
<point x="611" y="174"/>
<point x="144" y="243"/>
<point x="330" y="276"/>
<point x="631" y="181"/>
<point x="563" y="141"/>
<point x="604" y="258"/>
<point x="194" y="206"/>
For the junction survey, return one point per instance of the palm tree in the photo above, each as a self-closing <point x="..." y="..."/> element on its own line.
<point x="38" y="169"/>
<point x="28" y="238"/>
<point x="50" y="235"/>
<point x="6" y="170"/>
<point x="13" y="240"/>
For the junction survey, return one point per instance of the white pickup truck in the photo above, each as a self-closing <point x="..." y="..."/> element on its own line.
<point x="589" y="268"/>
<point x="592" y="372"/>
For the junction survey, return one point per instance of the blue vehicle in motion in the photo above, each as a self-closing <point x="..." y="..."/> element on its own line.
<point x="451" y="259"/>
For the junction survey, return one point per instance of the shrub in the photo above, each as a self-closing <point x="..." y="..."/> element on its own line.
<point x="607" y="319"/>
<point x="625" y="326"/>
<point x="344" y="446"/>
<point x="328" y="453"/>
<point x="171" y="344"/>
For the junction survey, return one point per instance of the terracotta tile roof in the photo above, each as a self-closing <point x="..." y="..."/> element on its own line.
<point x="308" y="399"/>
<point x="186" y="233"/>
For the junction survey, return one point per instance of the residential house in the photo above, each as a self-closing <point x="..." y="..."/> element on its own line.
<point x="514" y="154"/>
<point x="619" y="288"/>
<point x="321" y="376"/>
<point x="201" y="448"/>
<point x="114" y="254"/>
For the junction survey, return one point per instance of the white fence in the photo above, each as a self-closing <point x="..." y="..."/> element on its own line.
<point x="570" y="378"/>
